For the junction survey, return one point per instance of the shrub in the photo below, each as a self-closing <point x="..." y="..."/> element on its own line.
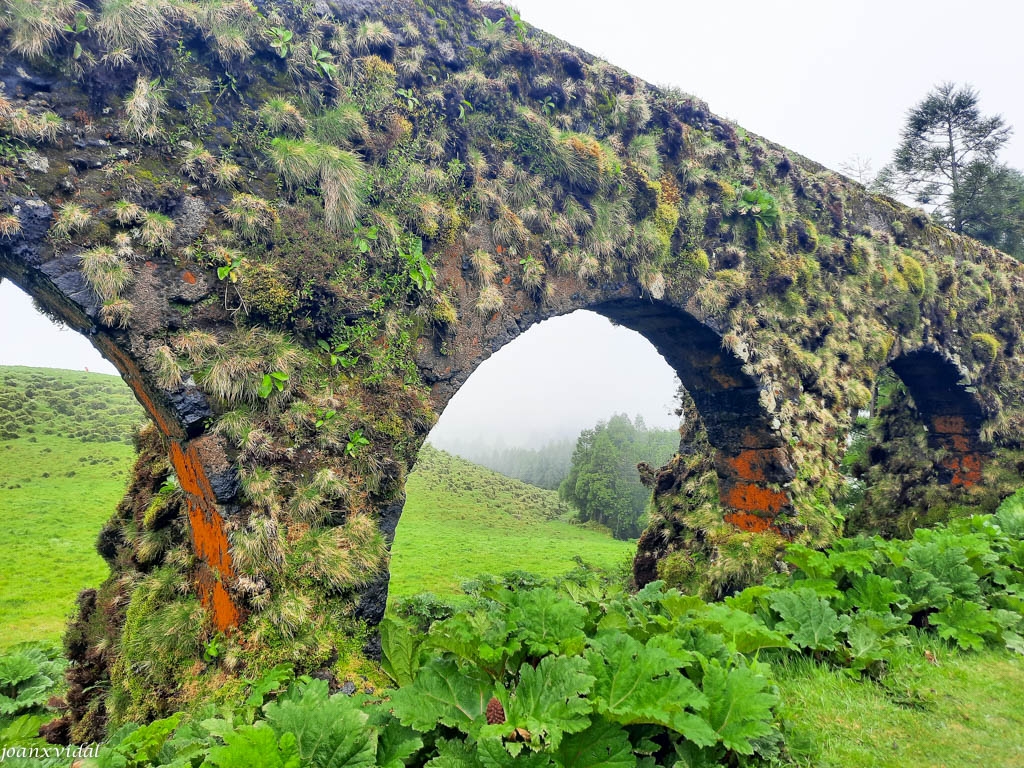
<point x="36" y="25"/>
<point x="281" y="116"/>
<point x="297" y="160"/>
<point x="156" y="230"/>
<point x="490" y="300"/>
<point x="251" y="217"/>
<point x="126" y="212"/>
<point x="339" y="125"/>
<point x="143" y="107"/>
<point x="10" y="225"/>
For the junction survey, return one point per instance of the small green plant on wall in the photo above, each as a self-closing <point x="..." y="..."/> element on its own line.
<point x="281" y="40"/>
<point x="761" y="208"/>
<point x="336" y="354"/>
<point x="271" y="381"/>
<point x="420" y="271"/>
<point x="356" y="442"/>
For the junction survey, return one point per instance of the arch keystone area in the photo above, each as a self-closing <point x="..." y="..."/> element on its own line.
<point x="296" y="262"/>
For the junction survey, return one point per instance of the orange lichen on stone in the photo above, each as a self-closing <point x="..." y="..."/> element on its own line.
<point x="216" y="598"/>
<point x="753" y="497"/>
<point x="748" y="522"/>
<point x="950" y="425"/>
<point x="966" y="470"/>
<point x="960" y="443"/>
<point x="191" y="474"/>
<point x="747" y="465"/>
<point x="209" y="538"/>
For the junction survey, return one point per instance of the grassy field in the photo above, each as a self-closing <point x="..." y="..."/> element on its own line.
<point x="963" y="711"/>
<point x="64" y="457"/>
<point x="65" y="453"/>
<point x="462" y="520"/>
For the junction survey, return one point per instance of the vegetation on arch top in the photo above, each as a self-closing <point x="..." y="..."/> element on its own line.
<point x="310" y="163"/>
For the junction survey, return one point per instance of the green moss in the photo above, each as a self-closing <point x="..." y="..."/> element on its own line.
<point x="984" y="347"/>
<point x="913" y="272"/>
<point x="696" y="260"/>
<point x="263" y="289"/>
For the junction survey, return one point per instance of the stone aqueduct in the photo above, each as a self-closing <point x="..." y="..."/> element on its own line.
<point x="542" y="181"/>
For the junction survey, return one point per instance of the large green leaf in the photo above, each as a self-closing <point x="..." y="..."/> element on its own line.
<point x="549" y="701"/>
<point x="739" y="705"/>
<point x="329" y="732"/>
<point x="965" y="622"/>
<point x="492" y="752"/>
<point x="948" y="564"/>
<point x="809" y="619"/>
<point x="447" y="694"/>
<point x="481" y="638"/>
<point x="255" y="745"/>
<point x="396" y="743"/>
<point x="548" y="622"/>
<point x="604" y="744"/>
<point x="741" y="631"/>
<point x="141" y="745"/>
<point x="400" y="651"/>
<point x="454" y="753"/>
<point x="872" y="592"/>
<point x="642" y="683"/>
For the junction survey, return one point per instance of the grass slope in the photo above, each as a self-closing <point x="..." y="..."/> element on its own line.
<point x="962" y="711"/>
<point x="65" y="453"/>
<point x="462" y="520"/>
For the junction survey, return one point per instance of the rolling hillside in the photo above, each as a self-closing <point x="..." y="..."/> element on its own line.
<point x="65" y="453"/>
<point x="462" y="520"/>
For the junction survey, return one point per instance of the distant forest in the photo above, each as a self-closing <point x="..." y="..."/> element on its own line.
<point x="596" y="473"/>
<point x="544" y="467"/>
<point x="603" y="484"/>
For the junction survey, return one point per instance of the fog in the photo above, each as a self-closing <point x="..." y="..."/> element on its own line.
<point x="558" y="378"/>
<point x="829" y="80"/>
<point x="30" y="338"/>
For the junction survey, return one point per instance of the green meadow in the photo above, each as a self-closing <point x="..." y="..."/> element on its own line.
<point x="65" y="455"/>
<point x="462" y="520"/>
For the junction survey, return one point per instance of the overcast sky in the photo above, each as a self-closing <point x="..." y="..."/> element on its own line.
<point x="829" y="80"/>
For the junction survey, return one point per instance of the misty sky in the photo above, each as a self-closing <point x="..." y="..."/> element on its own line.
<point x="829" y="80"/>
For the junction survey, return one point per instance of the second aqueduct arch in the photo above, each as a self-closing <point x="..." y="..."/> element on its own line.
<point x="281" y="253"/>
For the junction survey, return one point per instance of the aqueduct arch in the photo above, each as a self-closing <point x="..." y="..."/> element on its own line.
<point x="952" y="414"/>
<point x="295" y="255"/>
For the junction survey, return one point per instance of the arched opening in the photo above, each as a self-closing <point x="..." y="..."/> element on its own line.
<point x="207" y="479"/>
<point x="65" y="456"/>
<point x="951" y="413"/>
<point x="724" y="402"/>
<point x="750" y="458"/>
<point x="485" y="488"/>
<point x="916" y="457"/>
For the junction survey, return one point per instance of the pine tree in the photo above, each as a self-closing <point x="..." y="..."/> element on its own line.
<point x="947" y="147"/>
